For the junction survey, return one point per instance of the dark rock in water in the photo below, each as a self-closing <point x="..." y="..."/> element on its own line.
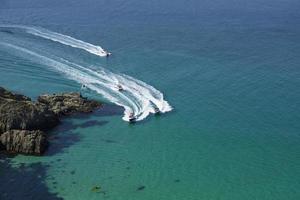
<point x="18" y="112"/>
<point x="2" y="147"/>
<point x="108" y="141"/>
<point x="96" y="189"/>
<point x="68" y="103"/>
<point x="22" y="121"/>
<point x="9" y="95"/>
<point x="141" y="188"/>
<point x="24" y="141"/>
<point x="25" y="115"/>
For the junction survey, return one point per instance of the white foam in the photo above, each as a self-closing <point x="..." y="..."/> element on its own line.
<point x="63" y="39"/>
<point x="138" y="97"/>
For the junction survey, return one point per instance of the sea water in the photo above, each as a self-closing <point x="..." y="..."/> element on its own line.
<point x="226" y="72"/>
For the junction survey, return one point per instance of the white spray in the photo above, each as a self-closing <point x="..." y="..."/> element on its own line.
<point x="138" y="97"/>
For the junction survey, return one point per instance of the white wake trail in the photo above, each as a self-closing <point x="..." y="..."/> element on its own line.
<point x="81" y="77"/>
<point x="60" y="38"/>
<point x="138" y="97"/>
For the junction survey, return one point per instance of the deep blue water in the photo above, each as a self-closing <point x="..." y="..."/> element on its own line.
<point x="230" y="70"/>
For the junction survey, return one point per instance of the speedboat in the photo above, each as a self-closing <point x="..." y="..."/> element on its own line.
<point x="108" y="54"/>
<point x="156" y="111"/>
<point x="120" y="88"/>
<point x="132" y="118"/>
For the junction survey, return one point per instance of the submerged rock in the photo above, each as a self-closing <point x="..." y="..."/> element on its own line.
<point x="68" y="103"/>
<point x="96" y="189"/>
<point x="141" y="188"/>
<point x="24" y="141"/>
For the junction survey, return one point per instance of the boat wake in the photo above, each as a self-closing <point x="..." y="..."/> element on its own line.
<point x="138" y="97"/>
<point x="63" y="39"/>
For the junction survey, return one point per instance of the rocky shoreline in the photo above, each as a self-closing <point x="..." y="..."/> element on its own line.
<point x="24" y="123"/>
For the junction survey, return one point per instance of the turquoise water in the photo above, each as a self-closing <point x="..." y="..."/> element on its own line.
<point x="230" y="70"/>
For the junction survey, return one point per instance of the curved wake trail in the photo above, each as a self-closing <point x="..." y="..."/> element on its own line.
<point x="60" y="38"/>
<point x="138" y="97"/>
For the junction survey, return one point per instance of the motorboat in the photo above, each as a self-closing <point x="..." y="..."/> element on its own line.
<point x="108" y="54"/>
<point x="120" y="88"/>
<point x="132" y="117"/>
<point x="156" y="111"/>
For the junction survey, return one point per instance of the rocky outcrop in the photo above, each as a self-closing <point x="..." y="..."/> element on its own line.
<point x="24" y="141"/>
<point x="25" y="115"/>
<point x="22" y="120"/>
<point x="9" y="95"/>
<point x="68" y="103"/>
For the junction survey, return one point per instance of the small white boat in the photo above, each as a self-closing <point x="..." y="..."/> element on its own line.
<point x="108" y="54"/>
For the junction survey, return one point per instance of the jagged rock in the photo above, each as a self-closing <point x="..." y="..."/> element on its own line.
<point x="20" y="113"/>
<point x="9" y="95"/>
<point x="22" y="120"/>
<point x="68" y="103"/>
<point x="24" y="141"/>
